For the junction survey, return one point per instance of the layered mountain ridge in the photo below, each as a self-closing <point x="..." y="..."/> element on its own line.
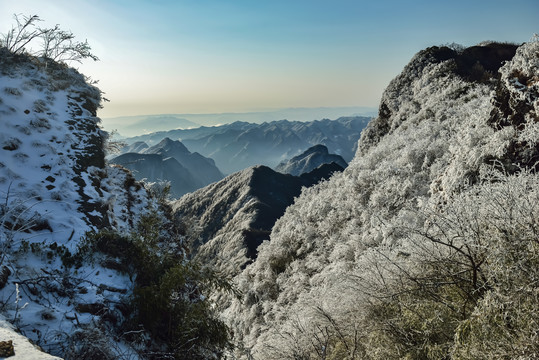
<point x="425" y="246"/>
<point x="240" y="145"/>
<point x="234" y="215"/>
<point x="170" y="161"/>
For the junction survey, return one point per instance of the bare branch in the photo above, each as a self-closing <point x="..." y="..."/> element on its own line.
<point x="56" y="44"/>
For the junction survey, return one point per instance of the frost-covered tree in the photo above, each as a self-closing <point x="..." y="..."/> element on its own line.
<point x="400" y="255"/>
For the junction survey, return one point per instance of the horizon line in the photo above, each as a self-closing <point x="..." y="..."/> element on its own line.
<point x="247" y="112"/>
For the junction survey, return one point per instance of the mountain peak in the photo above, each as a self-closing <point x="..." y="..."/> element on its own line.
<point x="238" y="212"/>
<point x="309" y="160"/>
<point x="454" y="143"/>
<point x="170" y="160"/>
<point x="476" y="65"/>
<point x="319" y="148"/>
<point x="167" y="144"/>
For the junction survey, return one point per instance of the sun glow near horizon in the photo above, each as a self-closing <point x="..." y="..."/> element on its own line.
<point x="194" y="57"/>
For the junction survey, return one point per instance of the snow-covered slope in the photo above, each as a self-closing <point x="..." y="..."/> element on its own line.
<point x="21" y="348"/>
<point x="442" y="129"/>
<point x="54" y="188"/>
<point x="51" y="149"/>
<point x="309" y="160"/>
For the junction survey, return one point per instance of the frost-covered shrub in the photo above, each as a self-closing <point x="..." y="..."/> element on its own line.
<point x="173" y="309"/>
<point x="505" y="323"/>
<point x="90" y="343"/>
<point x="40" y="106"/>
<point x="12" y="91"/>
<point x="11" y="144"/>
<point x="516" y="107"/>
<point x="461" y="281"/>
<point x="168" y="299"/>
<point x="19" y="216"/>
<point x="40" y="124"/>
<point x="397" y="249"/>
<point x="467" y="285"/>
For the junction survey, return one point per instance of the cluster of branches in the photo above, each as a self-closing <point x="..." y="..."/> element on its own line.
<point x="56" y="44"/>
<point x="460" y="281"/>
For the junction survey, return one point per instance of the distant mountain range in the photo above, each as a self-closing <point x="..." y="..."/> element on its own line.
<point x="240" y="145"/>
<point x="137" y="125"/>
<point x="425" y="246"/>
<point x="136" y="147"/>
<point x="170" y="161"/>
<point x="142" y="124"/>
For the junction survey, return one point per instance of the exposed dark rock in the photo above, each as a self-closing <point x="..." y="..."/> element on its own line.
<point x="4" y="275"/>
<point x="93" y="308"/>
<point x="481" y="63"/>
<point x="103" y="287"/>
<point x="12" y="144"/>
<point x="7" y="349"/>
<point x="46" y="315"/>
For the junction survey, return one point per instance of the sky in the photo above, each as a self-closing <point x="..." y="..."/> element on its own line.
<point x="211" y="56"/>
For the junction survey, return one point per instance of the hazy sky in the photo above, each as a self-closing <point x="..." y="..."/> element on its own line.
<point x="205" y="56"/>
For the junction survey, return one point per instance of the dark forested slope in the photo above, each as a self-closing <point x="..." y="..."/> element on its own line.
<point x="234" y="215"/>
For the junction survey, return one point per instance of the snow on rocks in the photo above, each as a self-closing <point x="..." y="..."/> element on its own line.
<point x="54" y="188"/>
<point x="21" y="348"/>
